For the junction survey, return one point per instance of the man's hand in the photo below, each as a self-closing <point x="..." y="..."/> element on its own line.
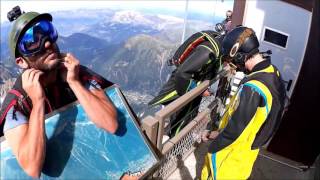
<point x="31" y="84"/>
<point x="230" y="67"/>
<point x="95" y="102"/>
<point x="128" y="177"/>
<point x="206" y="93"/>
<point x="70" y="68"/>
<point x="131" y="176"/>
<point x="28" y="141"/>
<point x="207" y="135"/>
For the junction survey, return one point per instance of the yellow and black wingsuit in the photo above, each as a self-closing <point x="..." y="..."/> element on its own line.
<point x="202" y="63"/>
<point x="249" y="122"/>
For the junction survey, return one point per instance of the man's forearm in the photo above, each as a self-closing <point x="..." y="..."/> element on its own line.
<point x="101" y="112"/>
<point x="32" y="152"/>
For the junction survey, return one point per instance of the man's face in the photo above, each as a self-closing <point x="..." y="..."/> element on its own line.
<point x="47" y="60"/>
<point x="228" y="16"/>
<point x="38" y="48"/>
<point x="226" y="59"/>
<point x="239" y="65"/>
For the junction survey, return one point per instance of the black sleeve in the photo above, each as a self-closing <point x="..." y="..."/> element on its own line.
<point x="191" y="65"/>
<point x="250" y="100"/>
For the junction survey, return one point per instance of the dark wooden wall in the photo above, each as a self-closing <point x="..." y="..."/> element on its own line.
<point x="238" y="12"/>
<point x="305" y="4"/>
<point x="298" y="137"/>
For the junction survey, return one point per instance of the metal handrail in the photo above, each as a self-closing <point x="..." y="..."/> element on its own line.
<point x="175" y="106"/>
<point x="181" y="102"/>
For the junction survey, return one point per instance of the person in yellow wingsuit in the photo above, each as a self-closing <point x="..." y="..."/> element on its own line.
<point x="253" y="114"/>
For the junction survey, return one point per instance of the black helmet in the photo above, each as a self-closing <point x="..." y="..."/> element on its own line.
<point x="240" y="43"/>
<point x="22" y="22"/>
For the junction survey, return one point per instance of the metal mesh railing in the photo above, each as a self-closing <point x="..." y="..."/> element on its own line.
<point x="181" y="149"/>
<point x="181" y="145"/>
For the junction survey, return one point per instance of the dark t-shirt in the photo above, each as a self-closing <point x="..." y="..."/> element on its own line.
<point x="58" y="95"/>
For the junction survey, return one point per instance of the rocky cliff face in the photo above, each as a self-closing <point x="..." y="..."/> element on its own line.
<point x="140" y="64"/>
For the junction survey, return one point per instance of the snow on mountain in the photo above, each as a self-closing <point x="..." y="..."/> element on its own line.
<point x="158" y="22"/>
<point x="131" y="17"/>
<point x="170" y="19"/>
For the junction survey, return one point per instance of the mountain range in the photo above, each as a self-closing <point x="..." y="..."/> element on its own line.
<point x="127" y="47"/>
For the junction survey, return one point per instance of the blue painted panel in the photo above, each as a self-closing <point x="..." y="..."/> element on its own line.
<point x="77" y="149"/>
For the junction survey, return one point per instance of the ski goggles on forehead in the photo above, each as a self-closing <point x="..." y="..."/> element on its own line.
<point x="34" y="38"/>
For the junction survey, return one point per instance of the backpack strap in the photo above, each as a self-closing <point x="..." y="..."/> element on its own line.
<point x="16" y="99"/>
<point x="86" y="74"/>
<point x="21" y="100"/>
<point x="213" y="43"/>
<point x="202" y="37"/>
<point x="189" y="49"/>
<point x="3" y="115"/>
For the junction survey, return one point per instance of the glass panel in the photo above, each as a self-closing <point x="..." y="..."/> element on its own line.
<point x="127" y="42"/>
<point x="204" y="15"/>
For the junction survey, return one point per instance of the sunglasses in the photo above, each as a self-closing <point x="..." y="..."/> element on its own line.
<point x="33" y="40"/>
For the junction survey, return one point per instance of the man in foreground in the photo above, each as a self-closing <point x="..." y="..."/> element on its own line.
<point x="50" y="80"/>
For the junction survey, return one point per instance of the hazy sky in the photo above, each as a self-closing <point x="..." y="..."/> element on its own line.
<point x="50" y="6"/>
